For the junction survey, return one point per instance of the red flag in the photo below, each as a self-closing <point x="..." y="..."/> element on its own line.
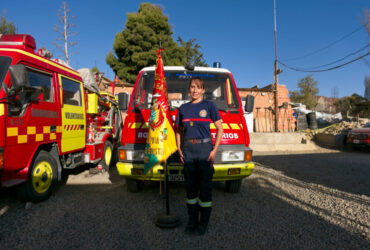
<point x="161" y="141"/>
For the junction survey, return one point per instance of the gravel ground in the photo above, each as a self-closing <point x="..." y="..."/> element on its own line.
<point x="305" y="201"/>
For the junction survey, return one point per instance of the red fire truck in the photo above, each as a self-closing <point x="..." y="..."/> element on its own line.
<point x="51" y="117"/>
<point x="233" y="160"/>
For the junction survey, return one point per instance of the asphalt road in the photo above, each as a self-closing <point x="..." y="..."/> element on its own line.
<point x="305" y="201"/>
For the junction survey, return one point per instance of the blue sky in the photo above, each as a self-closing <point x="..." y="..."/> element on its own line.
<point x="237" y="33"/>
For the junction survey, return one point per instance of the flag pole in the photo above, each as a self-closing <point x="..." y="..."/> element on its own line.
<point x="165" y="169"/>
<point x="166" y="220"/>
<point x="166" y="189"/>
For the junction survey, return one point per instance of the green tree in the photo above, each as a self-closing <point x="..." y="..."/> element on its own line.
<point x="306" y="93"/>
<point x="193" y="55"/>
<point x="6" y="27"/>
<point x="95" y="69"/>
<point x="135" y="47"/>
<point x="351" y="106"/>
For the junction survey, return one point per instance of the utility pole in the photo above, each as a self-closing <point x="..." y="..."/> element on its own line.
<point x="276" y="76"/>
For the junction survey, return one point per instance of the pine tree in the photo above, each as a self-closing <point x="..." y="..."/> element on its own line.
<point x="135" y="47"/>
<point x="6" y="27"/>
<point x="193" y="55"/>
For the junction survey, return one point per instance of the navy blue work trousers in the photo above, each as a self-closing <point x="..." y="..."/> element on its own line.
<point x="198" y="173"/>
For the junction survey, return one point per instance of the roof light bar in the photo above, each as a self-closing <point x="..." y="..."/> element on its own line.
<point x="22" y="41"/>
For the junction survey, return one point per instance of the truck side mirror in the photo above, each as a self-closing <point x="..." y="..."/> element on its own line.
<point x="123" y="99"/>
<point x="18" y="76"/>
<point x="249" y="104"/>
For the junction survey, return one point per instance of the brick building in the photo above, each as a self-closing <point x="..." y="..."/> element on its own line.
<point x="105" y="85"/>
<point x="264" y="108"/>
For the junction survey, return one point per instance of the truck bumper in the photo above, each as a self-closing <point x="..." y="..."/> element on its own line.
<point x="223" y="172"/>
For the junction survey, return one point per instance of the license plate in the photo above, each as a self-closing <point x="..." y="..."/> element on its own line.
<point x="176" y="178"/>
<point x="137" y="171"/>
<point x="233" y="171"/>
<point x="356" y="141"/>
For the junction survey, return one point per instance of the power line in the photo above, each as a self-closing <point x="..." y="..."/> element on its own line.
<point x="351" y="54"/>
<point x="341" y="59"/>
<point x="322" y="70"/>
<point x="327" y="46"/>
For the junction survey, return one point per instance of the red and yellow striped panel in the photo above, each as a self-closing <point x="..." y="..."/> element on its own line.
<point x="72" y="127"/>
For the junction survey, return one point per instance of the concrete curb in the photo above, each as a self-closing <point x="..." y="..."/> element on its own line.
<point x="281" y="142"/>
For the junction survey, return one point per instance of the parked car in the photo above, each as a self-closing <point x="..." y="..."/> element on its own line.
<point x="359" y="137"/>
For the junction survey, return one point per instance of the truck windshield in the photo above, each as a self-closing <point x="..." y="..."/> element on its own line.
<point x="219" y="89"/>
<point x="4" y="66"/>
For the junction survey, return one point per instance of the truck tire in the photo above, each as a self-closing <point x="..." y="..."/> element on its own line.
<point x="107" y="155"/>
<point x="117" y="125"/>
<point x="42" y="179"/>
<point x="134" y="186"/>
<point x="233" y="186"/>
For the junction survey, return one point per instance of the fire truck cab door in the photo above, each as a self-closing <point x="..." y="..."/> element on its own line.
<point x="73" y="114"/>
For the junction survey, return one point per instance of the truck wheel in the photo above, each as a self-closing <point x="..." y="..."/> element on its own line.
<point x="117" y="125"/>
<point x="134" y="186"/>
<point x="42" y="179"/>
<point x="107" y="155"/>
<point x="233" y="186"/>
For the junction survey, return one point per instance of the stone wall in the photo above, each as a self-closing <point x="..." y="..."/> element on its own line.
<point x="325" y="104"/>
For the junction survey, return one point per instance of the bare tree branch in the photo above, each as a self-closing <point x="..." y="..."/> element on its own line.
<point x="64" y="31"/>
<point x="366" y="23"/>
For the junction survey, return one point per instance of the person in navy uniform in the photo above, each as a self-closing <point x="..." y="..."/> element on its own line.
<point x="197" y="154"/>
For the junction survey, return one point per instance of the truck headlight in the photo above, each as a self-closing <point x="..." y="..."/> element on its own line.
<point x="135" y="155"/>
<point x="232" y="156"/>
<point x="237" y="156"/>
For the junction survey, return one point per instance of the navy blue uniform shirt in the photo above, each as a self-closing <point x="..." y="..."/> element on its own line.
<point x="195" y="118"/>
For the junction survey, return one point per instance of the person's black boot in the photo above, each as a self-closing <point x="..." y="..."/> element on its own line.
<point x="193" y="213"/>
<point x="205" y="214"/>
<point x="190" y="228"/>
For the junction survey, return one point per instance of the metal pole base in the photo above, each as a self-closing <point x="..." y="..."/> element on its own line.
<point x="167" y="221"/>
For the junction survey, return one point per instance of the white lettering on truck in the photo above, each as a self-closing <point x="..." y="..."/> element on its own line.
<point x="227" y="136"/>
